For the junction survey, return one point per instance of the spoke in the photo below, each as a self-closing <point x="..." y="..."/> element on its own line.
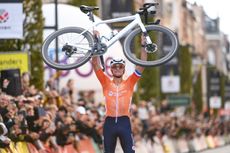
<point x="61" y="40"/>
<point x="82" y="39"/>
<point x="77" y="56"/>
<point x="80" y="48"/>
<point x="83" y="48"/>
<point x="80" y="52"/>
<point x="78" y="38"/>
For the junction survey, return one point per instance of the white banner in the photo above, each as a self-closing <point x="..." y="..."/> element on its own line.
<point x="11" y="21"/>
<point x="215" y="102"/>
<point x="170" y="84"/>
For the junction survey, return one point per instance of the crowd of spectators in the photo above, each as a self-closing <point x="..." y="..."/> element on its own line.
<point x="50" y="120"/>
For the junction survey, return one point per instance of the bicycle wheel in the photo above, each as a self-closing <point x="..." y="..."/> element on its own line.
<point x="164" y="39"/>
<point x="74" y="48"/>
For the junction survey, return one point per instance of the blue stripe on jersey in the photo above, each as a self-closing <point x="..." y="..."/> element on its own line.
<point x="137" y="73"/>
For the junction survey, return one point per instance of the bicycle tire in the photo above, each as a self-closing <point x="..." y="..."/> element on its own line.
<point x="156" y="28"/>
<point x="65" y="66"/>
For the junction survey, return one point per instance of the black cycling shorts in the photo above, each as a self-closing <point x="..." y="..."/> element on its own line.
<point x="118" y="128"/>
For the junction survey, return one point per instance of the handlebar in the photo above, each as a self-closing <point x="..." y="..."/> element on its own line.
<point x="148" y="5"/>
<point x="152" y="4"/>
<point x="145" y="12"/>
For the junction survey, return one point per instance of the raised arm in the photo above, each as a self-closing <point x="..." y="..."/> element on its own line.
<point x="96" y="59"/>
<point x="96" y="63"/>
<point x="143" y="55"/>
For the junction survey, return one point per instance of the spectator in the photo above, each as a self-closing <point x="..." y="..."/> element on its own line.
<point x="69" y="91"/>
<point x="143" y="115"/>
<point x="25" y="82"/>
<point x="4" y="140"/>
<point x="53" y="98"/>
<point x="165" y="107"/>
<point x="57" y="123"/>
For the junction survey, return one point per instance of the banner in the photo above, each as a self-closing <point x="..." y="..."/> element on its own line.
<point x="11" y="19"/>
<point x="170" y="84"/>
<point x="214" y="88"/>
<point x="215" y="102"/>
<point x="14" y="60"/>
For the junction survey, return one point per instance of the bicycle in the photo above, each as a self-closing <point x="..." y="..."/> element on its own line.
<point x="78" y="45"/>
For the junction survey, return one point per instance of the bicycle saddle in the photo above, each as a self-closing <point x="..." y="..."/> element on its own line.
<point x="86" y="9"/>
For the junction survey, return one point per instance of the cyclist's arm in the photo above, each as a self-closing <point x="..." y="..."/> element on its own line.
<point x="96" y="63"/>
<point x="143" y="56"/>
<point x="98" y="71"/>
<point x="96" y="59"/>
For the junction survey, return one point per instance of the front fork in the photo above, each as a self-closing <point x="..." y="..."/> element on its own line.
<point x="150" y="47"/>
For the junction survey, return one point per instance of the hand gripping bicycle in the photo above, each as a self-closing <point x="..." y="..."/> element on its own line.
<point x="77" y="45"/>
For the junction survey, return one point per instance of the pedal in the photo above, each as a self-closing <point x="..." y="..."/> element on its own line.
<point x="100" y="49"/>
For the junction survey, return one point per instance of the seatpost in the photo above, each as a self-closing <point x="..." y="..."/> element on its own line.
<point x="91" y="17"/>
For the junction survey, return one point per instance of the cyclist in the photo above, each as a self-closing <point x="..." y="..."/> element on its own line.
<point x="118" y="94"/>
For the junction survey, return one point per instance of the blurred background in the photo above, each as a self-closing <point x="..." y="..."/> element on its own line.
<point x="182" y="106"/>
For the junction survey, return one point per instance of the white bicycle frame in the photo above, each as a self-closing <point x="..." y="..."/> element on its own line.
<point x="136" y="21"/>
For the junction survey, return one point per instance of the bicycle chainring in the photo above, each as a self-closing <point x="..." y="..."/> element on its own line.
<point x="99" y="49"/>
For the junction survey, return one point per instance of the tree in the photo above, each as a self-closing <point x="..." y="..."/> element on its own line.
<point x="197" y="93"/>
<point x="33" y="27"/>
<point x="185" y="64"/>
<point x="149" y="86"/>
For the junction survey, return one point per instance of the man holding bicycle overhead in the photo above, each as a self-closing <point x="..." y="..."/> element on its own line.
<point x="118" y="95"/>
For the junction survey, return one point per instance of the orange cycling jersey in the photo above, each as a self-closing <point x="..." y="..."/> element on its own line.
<point x="118" y="97"/>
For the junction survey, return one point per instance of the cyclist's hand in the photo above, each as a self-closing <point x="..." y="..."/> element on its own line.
<point x="95" y="32"/>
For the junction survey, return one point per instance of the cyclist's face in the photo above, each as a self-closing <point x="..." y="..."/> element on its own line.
<point x="118" y="70"/>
